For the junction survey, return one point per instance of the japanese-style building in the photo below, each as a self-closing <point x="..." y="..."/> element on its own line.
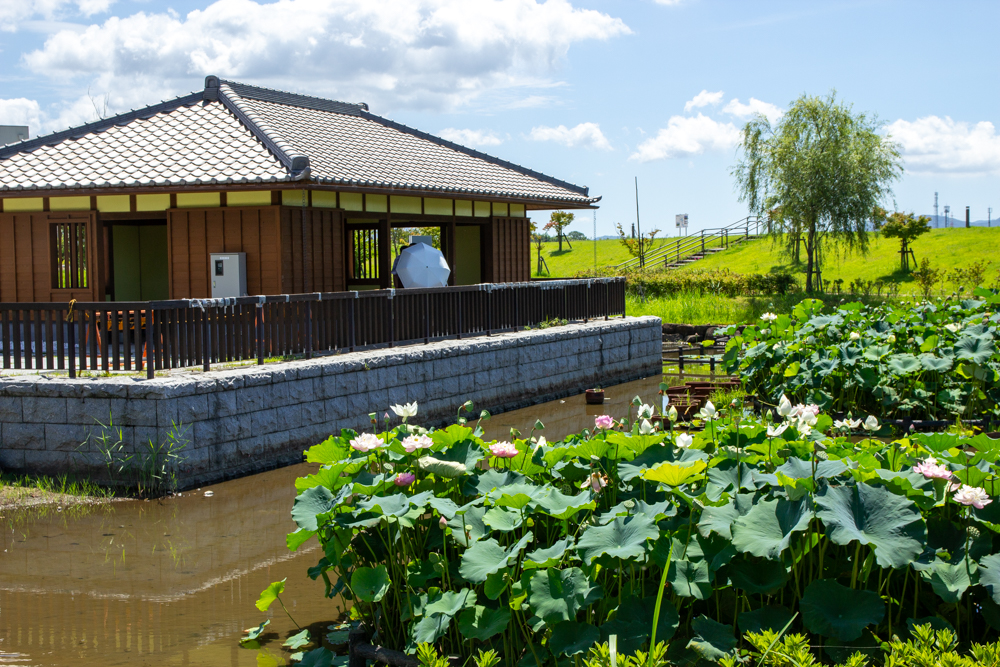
<point x="129" y="208"/>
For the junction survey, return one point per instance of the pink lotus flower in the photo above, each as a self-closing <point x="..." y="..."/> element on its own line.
<point x="503" y="450"/>
<point x="596" y="482"/>
<point x="930" y="469"/>
<point x="366" y="442"/>
<point x="974" y="496"/>
<point x="603" y="421"/>
<point x="412" y="443"/>
<point x="404" y="479"/>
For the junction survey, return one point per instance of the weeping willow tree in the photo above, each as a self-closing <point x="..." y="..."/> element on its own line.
<point x="820" y="171"/>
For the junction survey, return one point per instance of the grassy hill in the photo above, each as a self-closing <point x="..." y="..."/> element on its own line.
<point x="945" y="248"/>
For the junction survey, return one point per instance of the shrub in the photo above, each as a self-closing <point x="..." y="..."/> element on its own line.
<point x="539" y="551"/>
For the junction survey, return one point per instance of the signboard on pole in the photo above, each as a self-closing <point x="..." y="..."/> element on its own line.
<point x="681" y="221"/>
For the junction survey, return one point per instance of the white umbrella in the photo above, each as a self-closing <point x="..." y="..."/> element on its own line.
<point x="421" y="265"/>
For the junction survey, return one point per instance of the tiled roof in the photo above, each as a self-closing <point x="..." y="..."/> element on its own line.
<point x="239" y="133"/>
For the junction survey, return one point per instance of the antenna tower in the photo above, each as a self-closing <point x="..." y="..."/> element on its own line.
<point x="936" y="220"/>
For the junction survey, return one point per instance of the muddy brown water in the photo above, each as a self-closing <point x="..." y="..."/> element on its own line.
<point x="174" y="581"/>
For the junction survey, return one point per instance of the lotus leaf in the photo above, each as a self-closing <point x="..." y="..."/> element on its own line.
<point x="557" y="595"/>
<point x="483" y="483"/>
<point x="719" y="520"/>
<point x="632" y="623"/>
<point x="370" y="584"/>
<point x="836" y="611"/>
<point x="690" y="579"/>
<point x="771" y="617"/>
<point x="297" y="538"/>
<point x="978" y="349"/>
<point x="767" y="528"/>
<point x="762" y="578"/>
<point x="989" y="575"/>
<point x="712" y="640"/>
<point x="297" y="640"/>
<point x="950" y="580"/>
<point x="873" y="515"/>
<point x="901" y="364"/>
<point x="309" y="503"/>
<point x="330" y="450"/>
<point x="562" y="506"/>
<point x="674" y="474"/>
<point x="442" y="468"/>
<point x="541" y="558"/>
<point x="621" y="538"/>
<point x="318" y="657"/>
<point x="270" y="594"/>
<point x="485" y="557"/>
<point x="481" y="623"/>
<point x="502" y="519"/>
<point x="571" y="638"/>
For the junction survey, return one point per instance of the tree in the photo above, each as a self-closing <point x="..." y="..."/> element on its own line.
<point x="905" y="227"/>
<point x="637" y="247"/>
<point x="558" y="221"/>
<point x="538" y="240"/>
<point x="823" y="168"/>
<point x="577" y="236"/>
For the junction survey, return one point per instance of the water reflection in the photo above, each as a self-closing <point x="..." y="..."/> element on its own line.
<point x="173" y="582"/>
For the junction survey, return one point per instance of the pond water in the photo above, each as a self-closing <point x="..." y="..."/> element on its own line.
<point x="174" y="581"/>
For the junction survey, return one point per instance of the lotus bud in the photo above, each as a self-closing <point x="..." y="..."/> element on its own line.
<point x="672" y="414"/>
<point x="443" y="523"/>
<point x="769" y="416"/>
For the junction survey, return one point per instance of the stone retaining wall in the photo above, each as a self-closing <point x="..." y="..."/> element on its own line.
<point x="241" y="421"/>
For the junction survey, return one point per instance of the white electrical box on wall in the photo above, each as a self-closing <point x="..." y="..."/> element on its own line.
<point x="228" y="272"/>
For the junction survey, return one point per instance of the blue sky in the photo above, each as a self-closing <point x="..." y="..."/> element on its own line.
<point x="591" y="92"/>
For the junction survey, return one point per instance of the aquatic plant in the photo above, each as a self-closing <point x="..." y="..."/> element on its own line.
<point x="640" y="536"/>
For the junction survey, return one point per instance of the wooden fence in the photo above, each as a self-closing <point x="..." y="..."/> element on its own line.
<point x="158" y="335"/>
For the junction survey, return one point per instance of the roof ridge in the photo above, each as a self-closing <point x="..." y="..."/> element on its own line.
<point x="80" y="131"/>
<point x="297" y="165"/>
<point x="294" y="99"/>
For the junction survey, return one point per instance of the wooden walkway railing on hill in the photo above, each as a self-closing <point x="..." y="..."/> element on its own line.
<point x="157" y="335"/>
<point x="672" y="253"/>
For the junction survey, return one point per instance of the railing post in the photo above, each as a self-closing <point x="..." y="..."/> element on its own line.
<point x="703" y="241"/>
<point x="489" y="312"/>
<point x="259" y="333"/>
<point x="350" y="321"/>
<point x="458" y="295"/>
<point x="150" y="347"/>
<point x="427" y="318"/>
<point x="607" y="300"/>
<point x="586" y="306"/>
<point x="71" y="331"/>
<point x="392" y="318"/>
<point x="309" y="330"/>
<point x="206" y="360"/>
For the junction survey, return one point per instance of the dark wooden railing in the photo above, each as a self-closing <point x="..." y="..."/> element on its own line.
<point x="157" y="335"/>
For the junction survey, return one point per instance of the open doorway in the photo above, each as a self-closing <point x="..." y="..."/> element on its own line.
<point x="138" y="251"/>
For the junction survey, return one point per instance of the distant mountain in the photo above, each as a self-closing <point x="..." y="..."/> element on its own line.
<point x="939" y="221"/>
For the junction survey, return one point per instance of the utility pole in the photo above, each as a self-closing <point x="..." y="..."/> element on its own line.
<point x="638" y="226"/>
<point x="937" y="220"/>
<point x="947" y="213"/>
<point x="966" y="217"/>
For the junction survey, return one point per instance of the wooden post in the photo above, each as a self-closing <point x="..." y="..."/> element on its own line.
<point x="309" y="330"/>
<point x="384" y="253"/>
<point x="259" y="334"/>
<point x="150" y="347"/>
<point x="350" y="321"/>
<point x="206" y="359"/>
<point x="71" y="330"/>
<point x="450" y="245"/>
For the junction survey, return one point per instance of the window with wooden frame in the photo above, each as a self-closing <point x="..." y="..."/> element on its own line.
<point x="69" y="255"/>
<point x="362" y="253"/>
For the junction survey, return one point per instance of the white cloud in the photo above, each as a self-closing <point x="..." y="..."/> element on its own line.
<point x="588" y="135"/>
<point x="685" y="136"/>
<point x="430" y="54"/>
<point x="668" y="2"/>
<point x="703" y="99"/>
<point x="21" y="111"/>
<point x="942" y="145"/>
<point x="471" y="137"/>
<point x="740" y="110"/>
<point x="15" y="12"/>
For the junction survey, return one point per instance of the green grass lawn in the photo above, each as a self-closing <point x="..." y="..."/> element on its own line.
<point x="581" y="258"/>
<point x="945" y="248"/>
<point x="694" y="308"/>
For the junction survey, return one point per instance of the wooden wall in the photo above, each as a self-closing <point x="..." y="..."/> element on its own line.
<point x="315" y="264"/>
<point x="196" y="233"/>
<point x="508" y="251"/>
<point x="26" y="258"/>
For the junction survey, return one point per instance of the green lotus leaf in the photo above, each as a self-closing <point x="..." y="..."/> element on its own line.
<point x="270" y="594"/>
<point x="873" y="515"/>
<point x="675" y="474"/>
<point x="728" y="477"/>
<point x="571" y="638"/>
<point x="901" y="364"/>
<point x="451" y="602"/>
<point x="370" y="584"/>
<point x="561" y="506"/>
<point x="318" y="657"/>
<point x="650" y="458"/>
<point x="557" y="595"/>
<point x="632" y="622"/>
<point x="331" y="476"/>
<point x="771" y="617"/>
<point x="950" y="580"/>
<point x="767" y="528"/>
<point x="621" y="538"/>
<point x="330" y="450"/>
<point x="974" y="348"/>
<point x="467" y="525"/>
<point x="876" y="352"/>
<point x="496" y="584"/>
<point x="446" y="507"/>
<point x="441" y="467"/>
<point x="482" y="559"/>
<point x="836" y="611"/>
<point x="482" y="484"/>
<point x="540" y="558"/>
<point x="759" y="577"/>
<point x="297" y="538"/>
<point x="932" y="363"/>
<point x="989" y="575"/>
<point x="309" y="503"/>
<point x="690" y="579"/>
<point x="297" y="640"/>
<point x="712" y="640"/>
<point x="719" y="520"/>
<point x="254" y="633"/>
<point x="629" y="507"/>
<point x="502" y="519"/>
<point x="481" y="623"/>
<point x="394" y="505"/>
<point x="797" y="468"/>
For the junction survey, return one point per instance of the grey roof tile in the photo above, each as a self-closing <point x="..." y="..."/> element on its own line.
<point x="245" y="134"/>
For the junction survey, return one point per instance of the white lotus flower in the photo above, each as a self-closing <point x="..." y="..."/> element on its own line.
<point x="847" y="424"/>
<point x="971" y="495"/>
<point x="855" y="335"/>
<point x="708" y="412"/>
<point x="891" y="339"/>
<point x="645" y="411"/>
<point x="683" y="440"/>
<point x="784" y="406"/>
<point x="774" y="431"/>
<point x="412" y="443"/>
<point x="776" y="346"/>
<point x="406" y="410"/>
<point x="645" y="428"/>
<point x="769" y="317"/>
<point x="953" y="327"/>
<point x="366" y="442"/>
<point x="871" y="424"/>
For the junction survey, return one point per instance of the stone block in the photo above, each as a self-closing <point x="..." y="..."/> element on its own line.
<point x="265" y="421"/>
<point x="66" y="437"/>
<point x="166" y="413"/>
<point x="207" y="433"/>
<point x="139" y="412"/>
<point x="42" y="462"/>
<point x="22" y="436"/>
<point x="313" y="412"/>
<point x="192" y="408"/>
<point x="12" y="459"/>
<point x="299" y="391"/>
<point x="222" y="404"/>
<point x="44" y="410"/>
<point x="10" y="409"/>
<point x="336" y="408"/>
